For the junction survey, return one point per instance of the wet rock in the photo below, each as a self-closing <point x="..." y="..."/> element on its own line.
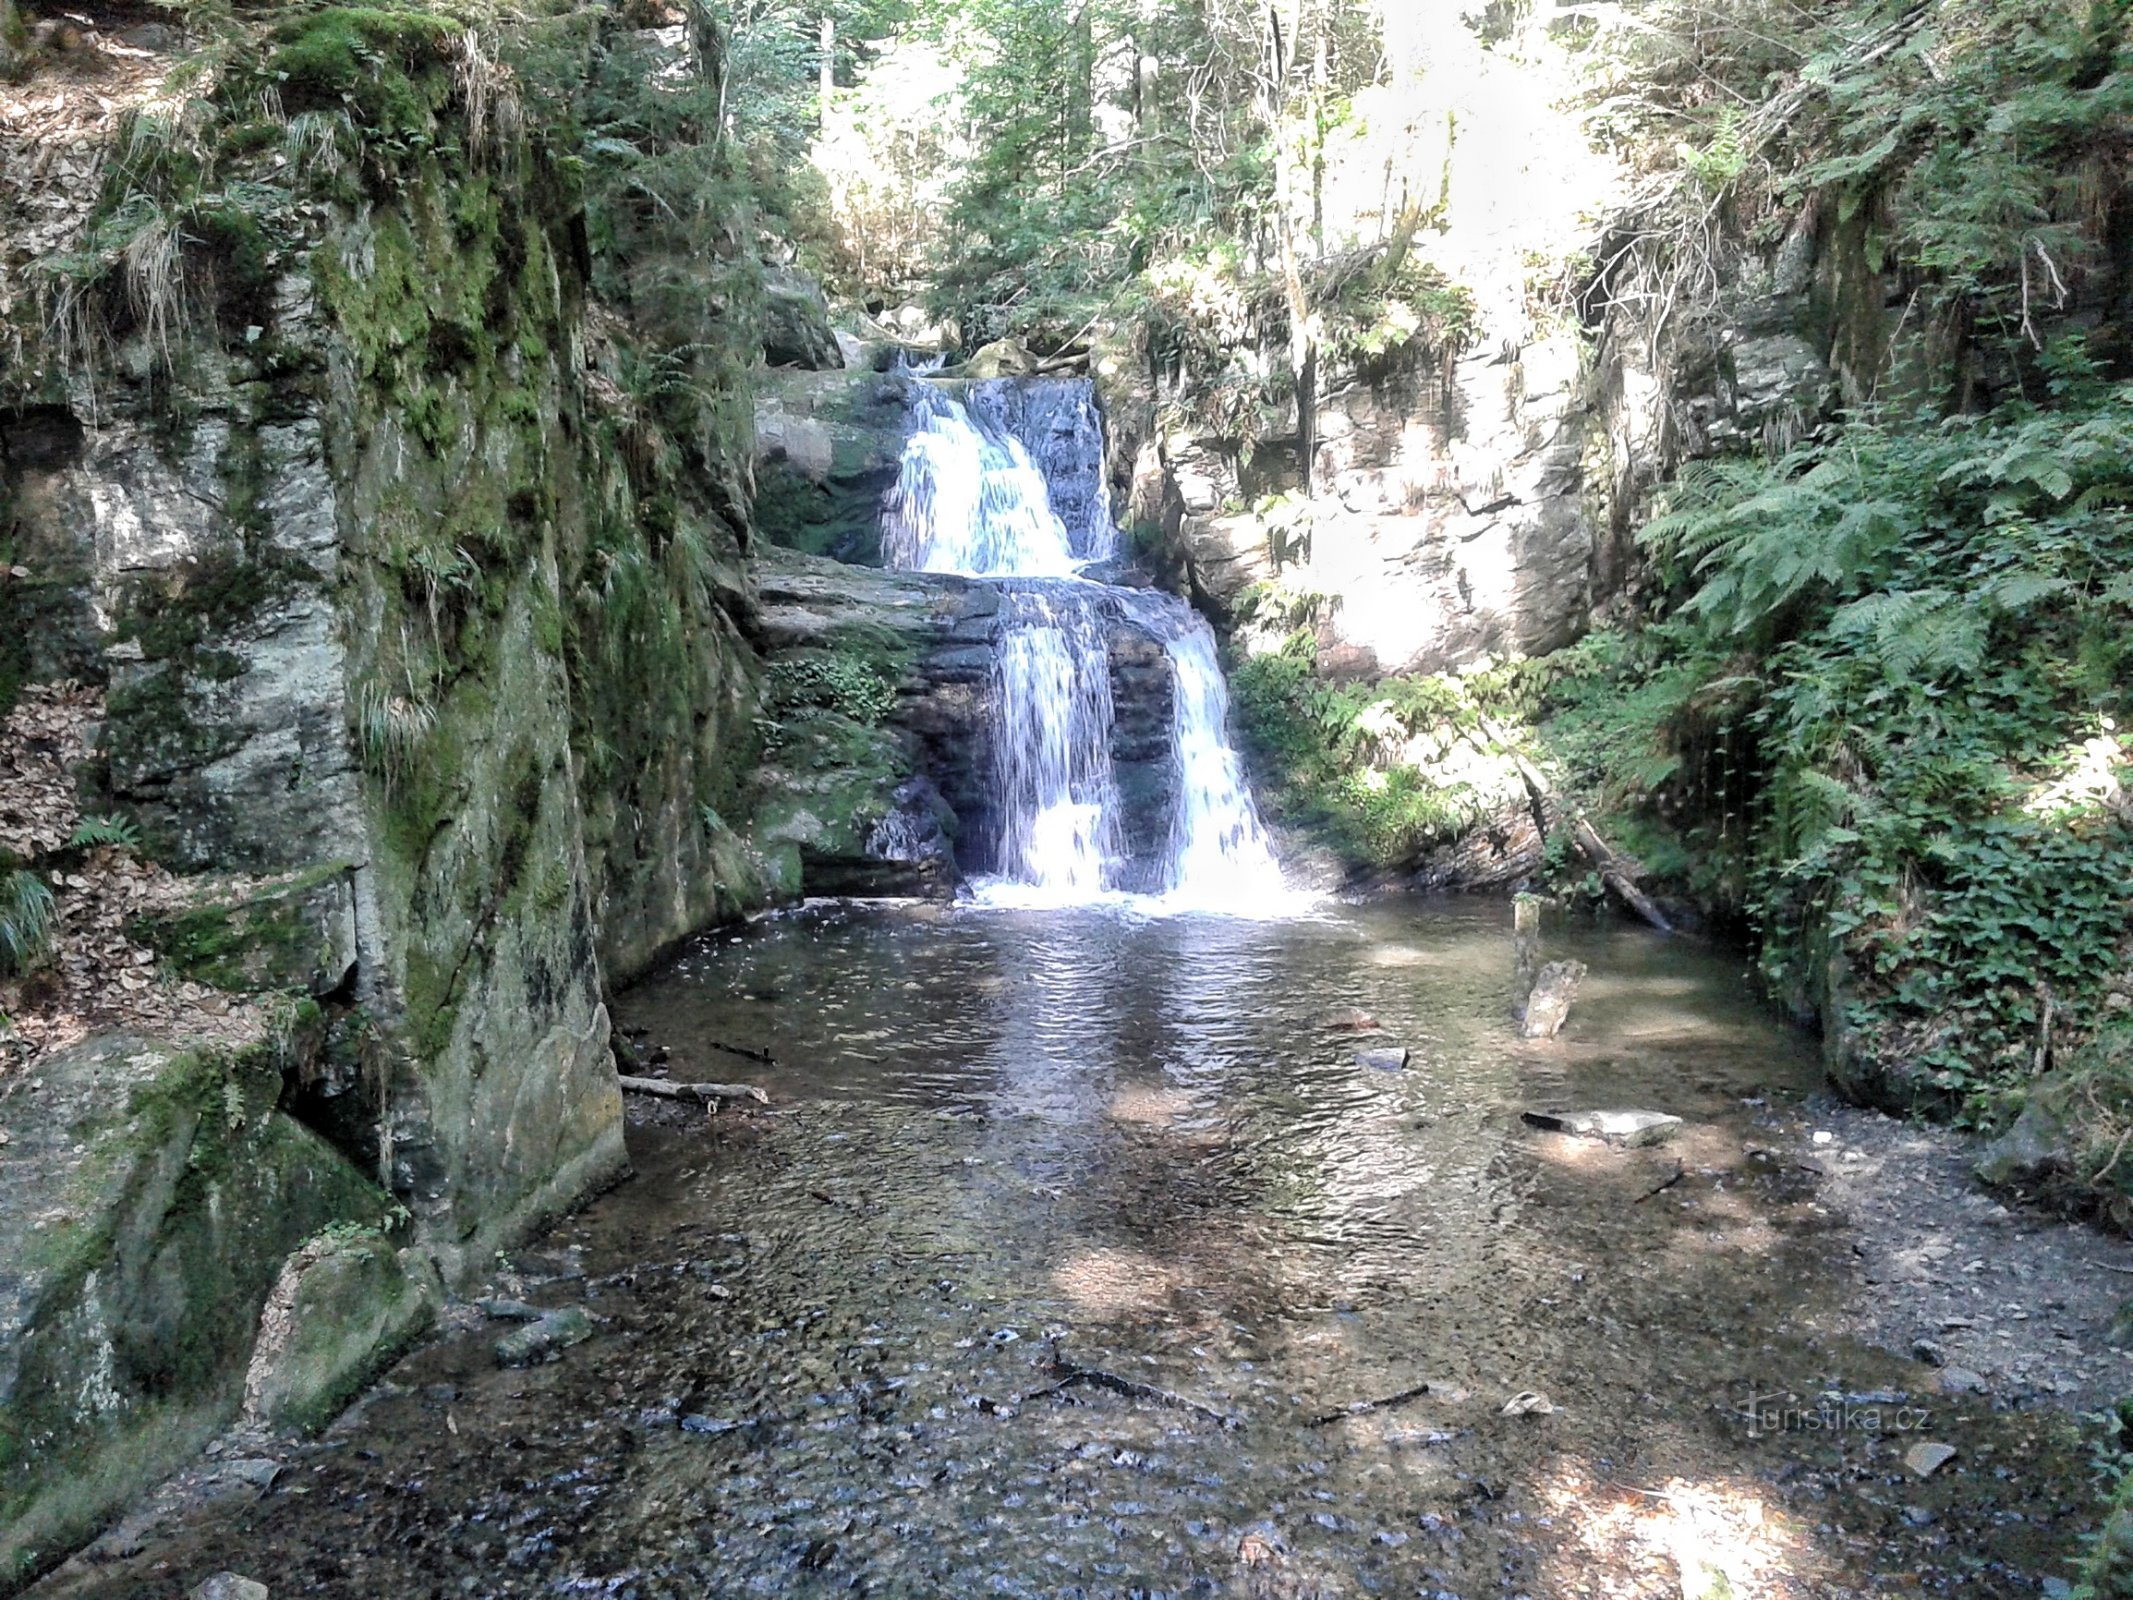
<point x="1928" y="1456"/>
<point x="1003" y="358"/>
<point x="230" y="1586"/>
<point x="545" y="1339"/>
<point x="1387" y="1060"/>
<point x="1549" y="1002"/>
<point x="1634" y="1128"/>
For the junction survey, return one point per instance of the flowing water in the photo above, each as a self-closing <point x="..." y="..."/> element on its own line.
<point x="1110" y="1250"/>
<point x="1075" y="1247"/>
<point x="1012" y="487"/>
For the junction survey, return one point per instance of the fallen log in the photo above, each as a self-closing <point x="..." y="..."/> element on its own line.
<point x="704" y="1093"/>
<point x="1603" y="859"/>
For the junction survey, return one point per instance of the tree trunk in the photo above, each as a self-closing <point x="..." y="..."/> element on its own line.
<point x="828" y="68"/>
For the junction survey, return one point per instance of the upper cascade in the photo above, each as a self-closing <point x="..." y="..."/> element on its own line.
<point x="972" y="498"/>
<point x="969" y="499"/>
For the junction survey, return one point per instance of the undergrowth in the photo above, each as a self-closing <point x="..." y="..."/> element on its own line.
<point x="1888" y="687"/>
<point x="1380" y="772"/>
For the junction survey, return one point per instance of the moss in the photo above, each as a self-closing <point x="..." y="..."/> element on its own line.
<point x="389" y="67"/>
<point x="274" y="939"/>
<point x="1381" y="774"/>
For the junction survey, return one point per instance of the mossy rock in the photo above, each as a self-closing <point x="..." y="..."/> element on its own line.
<point x="297" y="933"/>
<point x="347" y="1304"/>
<point x="152" y="1198"/>
<point x="388" y="65"/>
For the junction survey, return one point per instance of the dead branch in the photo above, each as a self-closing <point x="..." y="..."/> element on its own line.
<point x="1603" y="859"/>
<point x="704" y="1093"/>
<point x="1071" y="1375"/>
<point x="1363" y="1408"/>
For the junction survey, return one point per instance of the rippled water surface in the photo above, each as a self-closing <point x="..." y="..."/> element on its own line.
<point x="1073" y="1246"/>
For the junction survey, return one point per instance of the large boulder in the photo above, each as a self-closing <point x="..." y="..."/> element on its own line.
<point x="796" y="323"/>
<point x="154" y="1198"/>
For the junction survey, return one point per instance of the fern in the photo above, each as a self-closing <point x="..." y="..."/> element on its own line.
<point x="26" y="916"/>
<point x="91" y="832"/>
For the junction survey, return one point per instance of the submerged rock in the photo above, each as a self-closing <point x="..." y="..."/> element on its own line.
<point x="544" y="1340"/>
<point x="1387" y="1060"/>
<point x="1617" y="1127"/>
<point x="1549" y="1001"/>
<point x="1349" y="1019"/>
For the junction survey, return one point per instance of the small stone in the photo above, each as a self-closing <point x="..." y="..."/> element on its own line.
<point x="1960" y="1380"/>
<point x="1928" y="1456"/>
<point x="1918" y="1516"/>
<point x="1528" y="1403"/>
<point x="254" y="1472"/>
<point x="508" y="1310"/>
<point x="1391" y="1060"/>
<point x="1929" y="1352"/>
<point x="230" y="1586"/>
<point x="1624" y="1127"/>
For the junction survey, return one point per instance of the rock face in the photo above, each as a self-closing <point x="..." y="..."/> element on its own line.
<point x="401" y="598"/>
<point x="826" y="451"/>
<point x="796" y="323"/>
<point x="1451" y="520"/>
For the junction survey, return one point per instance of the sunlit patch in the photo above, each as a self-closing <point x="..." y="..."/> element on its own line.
<point x="1150" y="1106"/>
<point x="1399" y="955"/>
<point x="1698" y="1539"/>
<point x="1107" y="1282"/>
<point x="2094" y="777"/>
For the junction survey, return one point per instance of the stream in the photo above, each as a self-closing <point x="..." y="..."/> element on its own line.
<point x="1073" y="1249"/>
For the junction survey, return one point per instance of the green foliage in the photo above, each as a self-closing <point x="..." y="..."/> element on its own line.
<point x="91" y="832"/>
<point x="25" y="920"/>
<point x="1966" y="144"/>
<point x="850" y="685"/>
<point x="1915" y="642"/>
<point x="1335" y="759"/>
<point x="391" y="729"/>
<point x="1399" y="304"/>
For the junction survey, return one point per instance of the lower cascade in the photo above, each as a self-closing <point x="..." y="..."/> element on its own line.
<point x="971" y="499"/>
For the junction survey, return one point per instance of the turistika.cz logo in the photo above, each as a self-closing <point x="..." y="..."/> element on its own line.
<point x="1879" y="1412"/>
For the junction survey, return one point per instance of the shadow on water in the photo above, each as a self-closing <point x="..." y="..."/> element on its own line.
<point x="1010" y="1148"/>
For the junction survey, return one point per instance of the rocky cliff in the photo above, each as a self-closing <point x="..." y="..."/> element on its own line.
<point x="391" y="486"/>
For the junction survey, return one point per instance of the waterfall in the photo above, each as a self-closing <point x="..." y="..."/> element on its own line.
<point x="971" y="497"/>
<point x="1218" y="854"/>
<point x="1052" y="756"/>
<point x="970" y="501"/>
